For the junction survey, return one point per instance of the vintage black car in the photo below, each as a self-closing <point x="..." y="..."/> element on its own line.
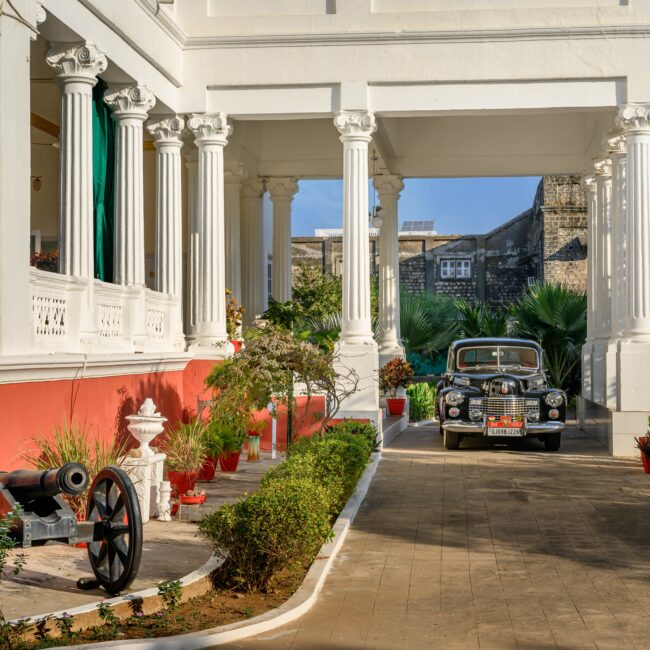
<point x="497" y="388"/>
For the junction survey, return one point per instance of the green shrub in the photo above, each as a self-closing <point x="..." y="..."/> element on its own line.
<point x="422" y="401"/>
<point x="281" y="526"/>
<point x="355" y="428"/>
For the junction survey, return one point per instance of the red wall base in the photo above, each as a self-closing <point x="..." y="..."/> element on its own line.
<point x="101" y="404"/>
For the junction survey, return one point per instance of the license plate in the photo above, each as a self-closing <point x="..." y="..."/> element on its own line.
<point x="504" y="425"/>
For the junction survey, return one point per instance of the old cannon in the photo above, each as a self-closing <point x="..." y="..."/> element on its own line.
<point x="113" y="525"/>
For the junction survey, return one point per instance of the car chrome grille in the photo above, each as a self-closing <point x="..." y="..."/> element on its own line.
<point x="507" y="406"/>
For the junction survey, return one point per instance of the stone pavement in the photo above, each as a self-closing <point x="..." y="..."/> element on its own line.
<point x="171" y="550"/>
<point x="493" y="547"/>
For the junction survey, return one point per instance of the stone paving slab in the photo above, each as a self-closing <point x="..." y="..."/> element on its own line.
<point x="501" y="547"/>
<point x="171" y="550"/>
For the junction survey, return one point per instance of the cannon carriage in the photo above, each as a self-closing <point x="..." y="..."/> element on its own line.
<point x="112" y="528"/>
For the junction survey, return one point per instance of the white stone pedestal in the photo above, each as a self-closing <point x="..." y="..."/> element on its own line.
<point x="147" y="474"/>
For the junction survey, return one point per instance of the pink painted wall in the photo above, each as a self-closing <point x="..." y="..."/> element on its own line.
<point x="101" y="404"/>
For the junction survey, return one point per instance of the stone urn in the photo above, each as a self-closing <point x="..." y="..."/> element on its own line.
<point x="145" y="426"/>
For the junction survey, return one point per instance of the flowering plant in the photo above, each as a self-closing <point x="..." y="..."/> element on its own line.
<point x="397" y="373"/>
<point x="234" y="313"/>
<point x="45" y="261"/>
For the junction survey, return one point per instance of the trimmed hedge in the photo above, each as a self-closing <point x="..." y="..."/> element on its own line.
<point x="282" y="526"/>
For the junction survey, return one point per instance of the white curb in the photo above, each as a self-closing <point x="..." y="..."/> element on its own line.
<point x="298" y="605"/>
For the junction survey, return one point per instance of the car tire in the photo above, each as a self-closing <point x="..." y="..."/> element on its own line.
<point x="450" y="439"/>
<point x="552" y="441"/>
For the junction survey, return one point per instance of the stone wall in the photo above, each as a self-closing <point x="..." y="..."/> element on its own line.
<point x="545" y="243"/>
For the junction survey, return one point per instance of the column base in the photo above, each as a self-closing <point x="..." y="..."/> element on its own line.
<point x="210" y="347"/>
<point x="587" y="371"/>
<point x="633" y="375"/>
<point x="615" y="429"/>
<point x="359" y="362"/>
<point x="390" y="351"/>
<point x="598" y="371"/>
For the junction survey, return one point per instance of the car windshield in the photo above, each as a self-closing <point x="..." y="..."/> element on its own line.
<point x="497" y="357"/>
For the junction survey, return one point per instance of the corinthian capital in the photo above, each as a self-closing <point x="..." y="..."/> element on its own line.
<point x="614" y="142"/>
<point x="80" y="60"/>
<point x="234" y="172"/>
<point x="589" y="183"/>
<point x="167" y="129"/>
<point x="634" y="117"/>
<point x="355" y="125"/>
<point x="602" y="166"/>
<point x="131" y="101"/>
<point x="282" y="188"/>
<point x="388" y="185"/>
<point x="210" y="127"/>
<point x="253" y="188"/>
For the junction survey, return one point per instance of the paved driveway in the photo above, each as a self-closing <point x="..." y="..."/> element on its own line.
<point x="489" y="547"/>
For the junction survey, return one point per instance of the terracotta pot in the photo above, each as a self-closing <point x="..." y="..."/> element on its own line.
<point x="208" y="469"/>
<point x="395" y="405"/>
<point x="646" y="463"/>
<point x="192" y="500"/>
<point x="237" y="345"/>
<point x="182" y="482"/>
<point x="229" y="461"/>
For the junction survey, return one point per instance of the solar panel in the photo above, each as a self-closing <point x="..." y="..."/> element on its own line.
<point x="417" y="226"/>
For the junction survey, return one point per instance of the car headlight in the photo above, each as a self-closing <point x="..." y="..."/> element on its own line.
<point x="454" y="398"/>
<point x="554" y="399"/>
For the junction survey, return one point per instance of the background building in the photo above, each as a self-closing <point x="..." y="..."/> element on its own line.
<point x="547" y="243"/>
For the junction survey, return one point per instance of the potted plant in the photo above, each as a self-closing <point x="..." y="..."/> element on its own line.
<point x="186" y="450"/>
<point x="254" y="434"/>
<point x="643" y="445"/>
<point x="396" y="374"/>
<point x="213" y="449"/>
<point x="234" y="314"/>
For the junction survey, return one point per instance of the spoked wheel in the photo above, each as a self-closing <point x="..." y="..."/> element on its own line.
<point x="116" y="548"/>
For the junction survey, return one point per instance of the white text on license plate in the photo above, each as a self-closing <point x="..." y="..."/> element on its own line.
<point x="505" y="431"/>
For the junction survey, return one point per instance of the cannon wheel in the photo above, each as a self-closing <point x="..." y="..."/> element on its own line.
<point x="116" y="548"/>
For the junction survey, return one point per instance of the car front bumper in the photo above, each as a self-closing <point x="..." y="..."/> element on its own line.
<point x="478" y="429"/>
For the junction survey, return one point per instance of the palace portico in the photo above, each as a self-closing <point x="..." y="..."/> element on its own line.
<point x="217" y="102"/>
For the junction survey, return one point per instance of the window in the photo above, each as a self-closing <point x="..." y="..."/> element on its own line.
<point x="498" y="357"/>
<point x="455" y="269"/>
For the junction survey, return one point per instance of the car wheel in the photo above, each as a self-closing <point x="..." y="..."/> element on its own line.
<point x="552" y="441"/>
<point x="451" y="439"/>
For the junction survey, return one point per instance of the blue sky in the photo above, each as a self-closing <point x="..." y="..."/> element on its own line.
<point x="457" y="205"/>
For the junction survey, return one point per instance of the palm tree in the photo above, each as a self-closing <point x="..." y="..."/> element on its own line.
<point x="556" y="317"/>
<point x="421" y="331"/>
<point x="480" y="320"/>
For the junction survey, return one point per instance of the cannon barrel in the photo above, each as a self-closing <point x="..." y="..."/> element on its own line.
<point x="71" y="478"/>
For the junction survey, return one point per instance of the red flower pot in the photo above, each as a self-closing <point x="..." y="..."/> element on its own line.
<point x="192" y="500"/>
<point x="646" y="463"/>
<point x="182" y="482"/>
<point x="229" y="461"/>
<point x="395" y="405"/>
<point x="237" y="345"/>
<point x="208" y="469"/>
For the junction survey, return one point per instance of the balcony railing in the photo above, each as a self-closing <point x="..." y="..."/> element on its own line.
<point x="123" y="319"/>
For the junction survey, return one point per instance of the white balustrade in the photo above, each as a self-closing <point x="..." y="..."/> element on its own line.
<point x="57" y="314"/>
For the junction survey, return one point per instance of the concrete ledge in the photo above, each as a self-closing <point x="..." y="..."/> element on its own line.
<point x="392" y="426"/>
<point x="298" y="605"/>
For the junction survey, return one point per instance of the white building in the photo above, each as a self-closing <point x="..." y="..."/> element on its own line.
<point x="217" y="101"/>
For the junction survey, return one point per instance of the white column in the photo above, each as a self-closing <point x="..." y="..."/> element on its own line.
<point x="356" y="129"/>
<point x="130" y="106"/>
<point x="390" y="345"/>
<point x="603" y="177"/>
<point x="587" y="349"/>
<point x="15" y="186"/>
<point x="634" y="347"/>
<point x="635" y="119"/>
<point x="235" y="175"/>
<point x="253" y="263"/>
<point x="282" y="191"/>
<point x="356" y="351"/>
<point x="211" y="132"/>
<point x="192" y="299"/>
<point x="618" y="156"/>
<point x="167" y="134"/>
<point x="78" y="66"/>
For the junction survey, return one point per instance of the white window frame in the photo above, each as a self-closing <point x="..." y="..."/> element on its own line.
<point x="456" y="267"/>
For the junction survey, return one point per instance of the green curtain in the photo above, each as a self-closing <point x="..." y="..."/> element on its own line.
<point x="103" y="180"/>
